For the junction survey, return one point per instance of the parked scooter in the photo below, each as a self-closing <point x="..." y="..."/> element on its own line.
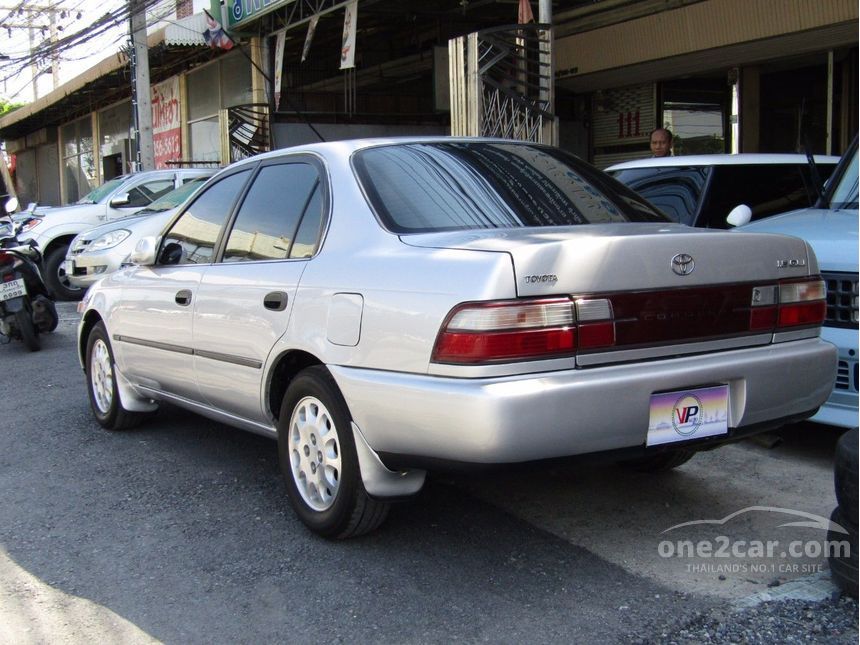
<point x="26" y="306"/>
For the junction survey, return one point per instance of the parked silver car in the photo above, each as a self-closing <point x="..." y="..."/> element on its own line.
<point x="53" y="228"/>
<point x="383" y="307"/>
<point x="106" y="248"/>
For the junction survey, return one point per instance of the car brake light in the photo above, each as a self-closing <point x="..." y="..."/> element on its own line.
<point x="788" y="304"/>
<point x="596" y="327"/>
<point x="523" y="329"/>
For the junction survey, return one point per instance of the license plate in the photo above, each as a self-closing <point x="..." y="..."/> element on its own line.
<point x="13" y="289"/>
<point x="688" y="414"/>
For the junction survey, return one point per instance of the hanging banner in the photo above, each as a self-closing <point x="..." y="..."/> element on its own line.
<point x="524" y="12"/>
<point x="347" y="50"/>
<point x="166" y="124"/>
<point x="280" y="41"/>
<point x="312" y="27"/>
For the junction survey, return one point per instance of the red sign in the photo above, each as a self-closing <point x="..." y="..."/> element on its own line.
<point x="166" y="124"/>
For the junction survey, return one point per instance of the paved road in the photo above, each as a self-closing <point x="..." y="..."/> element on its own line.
<point x="179" y="531"/>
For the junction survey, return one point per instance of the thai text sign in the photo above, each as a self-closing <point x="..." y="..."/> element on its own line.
<point x="166" y="125"/>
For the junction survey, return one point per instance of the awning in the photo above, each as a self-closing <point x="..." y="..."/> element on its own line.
<point x="187" y="31"/>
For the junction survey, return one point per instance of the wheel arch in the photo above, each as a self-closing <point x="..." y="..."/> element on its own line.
<point x="287" y="366"/>
<point x="90" y="319"/>
<point x="60" y="240"/>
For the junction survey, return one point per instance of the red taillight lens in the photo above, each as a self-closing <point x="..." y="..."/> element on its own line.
<point x="788" y="304"/>
<point x="498" y="346"/>
<point x="6" y="258"/>
<point x="523" y="330"/>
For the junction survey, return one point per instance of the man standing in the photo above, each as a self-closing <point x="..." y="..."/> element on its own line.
<point x="661" y="143"/>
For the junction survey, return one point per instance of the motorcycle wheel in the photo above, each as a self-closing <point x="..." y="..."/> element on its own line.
<point x="28" y="331"/>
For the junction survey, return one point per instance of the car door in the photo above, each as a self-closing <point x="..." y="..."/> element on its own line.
<point x="245" y="299"/>
<point x="153" y="328"/>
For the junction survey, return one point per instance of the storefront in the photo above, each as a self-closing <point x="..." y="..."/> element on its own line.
<point x="722" y="75"/>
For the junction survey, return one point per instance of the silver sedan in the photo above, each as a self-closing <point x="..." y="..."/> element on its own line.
<point x="382" y="307"/>
<point x="101" y="250"/>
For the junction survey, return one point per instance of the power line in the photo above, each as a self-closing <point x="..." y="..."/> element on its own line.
<point x="61" y="47"/>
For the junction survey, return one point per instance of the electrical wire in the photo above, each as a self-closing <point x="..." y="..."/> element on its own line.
<point x="69" y="47"/>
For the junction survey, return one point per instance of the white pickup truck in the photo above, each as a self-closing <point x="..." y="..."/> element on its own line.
<point x="53" y="228"/>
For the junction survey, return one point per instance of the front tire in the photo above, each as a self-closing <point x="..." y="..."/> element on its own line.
<point x="56" y="278"/>
<point x="319" y="461"/>
<point x="101" y="384"/>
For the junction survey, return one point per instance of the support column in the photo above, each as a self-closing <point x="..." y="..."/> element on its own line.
<point x="750" y="109"/>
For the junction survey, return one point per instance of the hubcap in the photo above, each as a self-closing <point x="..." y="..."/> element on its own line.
<point x="315" y="453"/>
<point x="101" y="376"/>
<point x="63" y="279"/>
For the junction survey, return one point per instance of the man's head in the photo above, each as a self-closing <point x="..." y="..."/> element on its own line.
<point x="661" y="142"/>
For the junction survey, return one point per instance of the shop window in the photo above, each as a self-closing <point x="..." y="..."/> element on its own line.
<point x="80" y="175"/>
<point x="222" y="84"/>
<point x="696" y="111"/>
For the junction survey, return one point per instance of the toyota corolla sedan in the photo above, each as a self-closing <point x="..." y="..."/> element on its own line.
<point x="383" y="307"/>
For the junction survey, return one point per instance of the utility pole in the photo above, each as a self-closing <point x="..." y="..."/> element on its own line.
<point x="141" y="100"/>
<point x="34" y="15"/>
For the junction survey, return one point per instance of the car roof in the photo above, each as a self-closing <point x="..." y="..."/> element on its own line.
<point x="348" y="146"/>
<point x="744" y="158"/>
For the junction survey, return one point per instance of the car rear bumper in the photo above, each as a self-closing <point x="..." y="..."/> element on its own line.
<point x="574" y="412"/>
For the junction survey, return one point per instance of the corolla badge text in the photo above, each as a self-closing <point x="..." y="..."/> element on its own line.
<point x="791" y="262"/>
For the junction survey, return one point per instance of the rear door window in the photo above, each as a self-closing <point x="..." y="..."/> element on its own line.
<point x="272" y="213"/>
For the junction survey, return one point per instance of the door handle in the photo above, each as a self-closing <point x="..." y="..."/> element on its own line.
<point x="275" y="301"/>
<point x="183" y="297"/>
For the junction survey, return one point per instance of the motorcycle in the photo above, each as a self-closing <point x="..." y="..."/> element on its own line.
<point x="26" y="306"/>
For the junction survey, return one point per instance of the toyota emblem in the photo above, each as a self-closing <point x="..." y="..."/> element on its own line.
<point x="683" y="264"/>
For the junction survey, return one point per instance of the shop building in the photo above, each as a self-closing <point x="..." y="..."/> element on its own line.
<point x="724" y="75"/>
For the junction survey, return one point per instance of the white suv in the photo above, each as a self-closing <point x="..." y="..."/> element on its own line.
<point x="830" y="228"/>
<point x="54" y="228"/>
<point x="702" y="190"/>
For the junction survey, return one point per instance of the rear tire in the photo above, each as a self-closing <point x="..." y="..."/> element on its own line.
<point x="319" y="461"/>
<point x="843" y="568"/>
<point x="56" y="278"/>
<point x="845" y="475"/>
<point x="101" y="384"/>
<point x="28" y="331"/>
<point x="661" y="462"/>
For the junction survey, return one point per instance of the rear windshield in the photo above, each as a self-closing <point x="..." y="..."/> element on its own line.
<point x="441" y="186"/>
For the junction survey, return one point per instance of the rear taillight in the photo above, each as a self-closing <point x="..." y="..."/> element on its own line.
<point x="515" y="330"/>
<point x="523" y="329"/>
<point x="788" y="304"/>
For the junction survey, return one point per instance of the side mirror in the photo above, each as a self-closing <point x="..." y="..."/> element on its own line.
<point x="11" y="205"/>
<point x="120" y="200"/>
<point x="144" y="252"/>
<point x="171" y="253"/>
<point x="740" y="215"/>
